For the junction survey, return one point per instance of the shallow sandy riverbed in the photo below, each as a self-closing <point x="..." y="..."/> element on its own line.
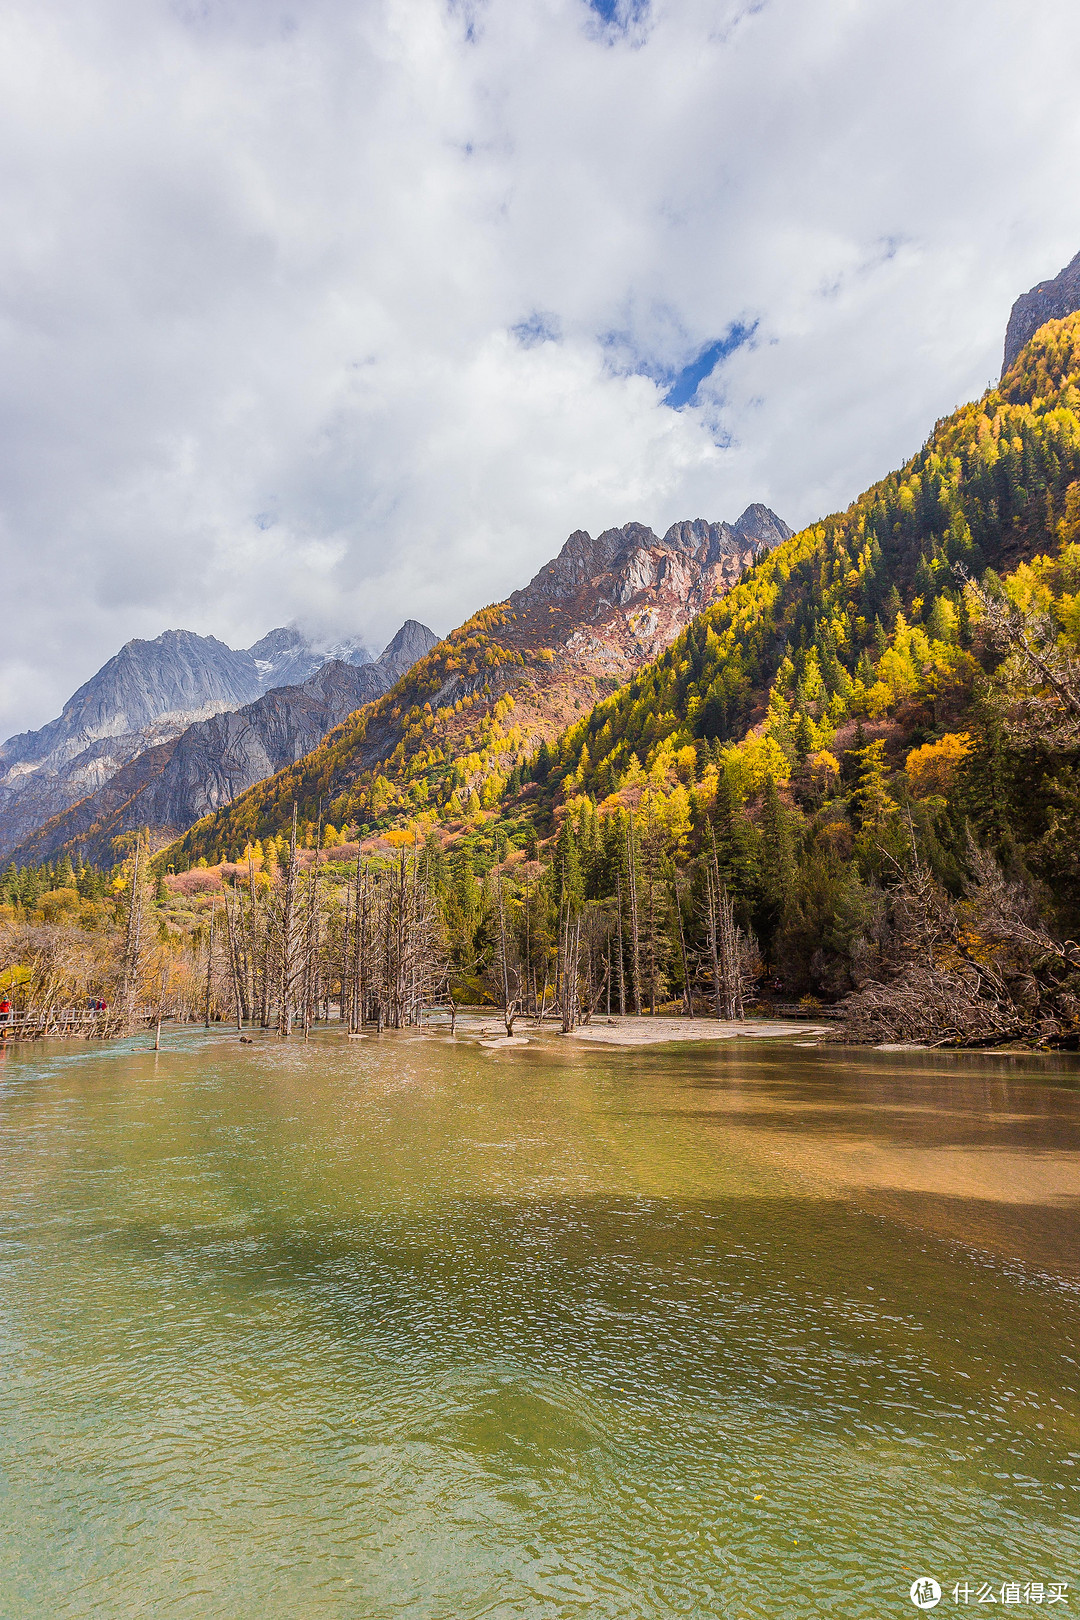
<point x="644" y="1031"/>
<point x="649" y="1031"/>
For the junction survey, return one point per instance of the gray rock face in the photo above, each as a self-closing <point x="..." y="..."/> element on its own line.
<point x="150" y="692"/>
<point x="179" y="673"/>
<point x="760" y="527"/>
<point x="694" y="559"/>
<point x="583" y="559"/>
<point x="410" y="644"/>
<point x="170" y="786"/>
<point x="1049" y="301"/>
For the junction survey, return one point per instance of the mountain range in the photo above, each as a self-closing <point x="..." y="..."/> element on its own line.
<point x="178" y="778"/>
<point x="149" y="692"/>
<point x="172" y="730"/>
<point x="150" y="741"/>
<point x="594" y="678"/>
<point x="510" y="678"/>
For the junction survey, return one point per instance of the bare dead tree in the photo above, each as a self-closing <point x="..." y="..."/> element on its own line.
<point x="209" y="962"/>
<point x="235" y="966"/>
<point x="728" y="957"/>
<point x="508" y="968"/>
<point x="596" y="971"/>
<point x="619" y="947"/>
<point x="400" y="962"/>
<point x="568" y="990"/>
<point x="632" y="893"/>
<point x="133" y="939"/>
<point x="688" y="994"/>
<point x="288" y="965"/>
<point x="345" y="964"/>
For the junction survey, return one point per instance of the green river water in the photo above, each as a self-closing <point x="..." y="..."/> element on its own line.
<point x="409" y="1328"/>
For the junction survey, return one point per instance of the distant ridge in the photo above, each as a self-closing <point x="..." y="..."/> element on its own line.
<point x="170" y="785"/>
<point x="147" y="693"/>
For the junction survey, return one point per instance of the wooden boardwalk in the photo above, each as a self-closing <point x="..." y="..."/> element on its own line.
<point x="32" y="1023"/>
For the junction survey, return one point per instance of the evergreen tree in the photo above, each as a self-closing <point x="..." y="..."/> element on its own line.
<point x="871" y="800"/>
<point x="777" y="862"/>
<point x="566" y="869"/>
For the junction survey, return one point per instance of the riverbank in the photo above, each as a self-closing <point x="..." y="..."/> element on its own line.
<point x="640" y="1031"/>
<point x="653" y="1031"/>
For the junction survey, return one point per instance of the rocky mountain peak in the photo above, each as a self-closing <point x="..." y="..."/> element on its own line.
<point x="410" y="644"/>
<point x="583" y="559"/>
<point x="178" y="672"/>
<point x="759" y="524"/>
<point x="614" y="562"/>
<point x="149" y="693"/>
<point x="286" y="657"/>
<point x="1047" y="301"/>
<point x="181" y="777"/>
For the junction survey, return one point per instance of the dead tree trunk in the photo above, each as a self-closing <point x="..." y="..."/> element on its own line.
<point x="621" y="951"/>
<point x="209" y="962"/>
<point x="688" y="1000"/>
<point x="569" y="957"/>
<point x="511" y="1005"/>
<point x="133" y="938"/>
<point x="234" y="966"/>
<point x="287" y="948"/>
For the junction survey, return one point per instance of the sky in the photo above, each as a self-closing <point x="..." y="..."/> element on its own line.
<point x="343" y="313"/>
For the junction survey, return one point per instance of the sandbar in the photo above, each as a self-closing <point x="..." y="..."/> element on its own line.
<point x="651" y="1031"/>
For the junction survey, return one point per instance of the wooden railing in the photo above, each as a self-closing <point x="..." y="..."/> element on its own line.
<point x="29" y="1023"/>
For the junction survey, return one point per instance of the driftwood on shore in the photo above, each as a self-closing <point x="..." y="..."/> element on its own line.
<point x="978" y="971"/>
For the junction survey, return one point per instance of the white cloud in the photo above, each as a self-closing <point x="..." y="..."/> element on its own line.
<point x="261" y="270"/>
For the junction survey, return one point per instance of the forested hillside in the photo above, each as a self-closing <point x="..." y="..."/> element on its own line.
<point x="859" y="719"/>
<point x="863" y="613"/>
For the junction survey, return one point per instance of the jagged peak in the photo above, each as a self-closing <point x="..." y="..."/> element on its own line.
<point x="285" y="637"/>
<point x="761" y="523"/>
<point x="583" y="560"/>
<point x="411" y="642"/>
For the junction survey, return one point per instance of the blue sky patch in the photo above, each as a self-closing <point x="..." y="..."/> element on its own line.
<point x="685" y="383"/>
<point x="619" y="13"/>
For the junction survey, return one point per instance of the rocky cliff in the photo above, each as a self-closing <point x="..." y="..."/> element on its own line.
<point x="146" y="695"/>
<point x="512" y="676"/>
<point x="170" y="785"/>
<point x="1049" y="301"/>
<point x="618" y="600"/>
